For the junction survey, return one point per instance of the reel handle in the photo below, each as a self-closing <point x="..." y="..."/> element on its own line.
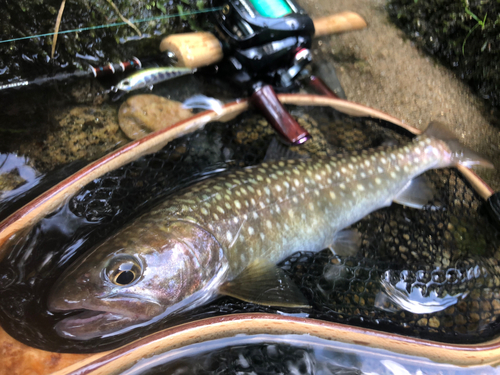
<point x="194" y="50"/>
<point x="268" y="104"/>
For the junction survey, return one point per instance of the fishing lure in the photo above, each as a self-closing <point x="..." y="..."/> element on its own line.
<point x="150" y="77"/>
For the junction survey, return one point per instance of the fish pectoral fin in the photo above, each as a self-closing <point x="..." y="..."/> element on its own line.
<point x="416" y="193"/>
<point x="278" y="151"/>
<point x="264" y="283"/>
<point x="346" y="242"/>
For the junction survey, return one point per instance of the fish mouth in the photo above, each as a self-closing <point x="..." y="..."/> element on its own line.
<point x="89" y="324"/>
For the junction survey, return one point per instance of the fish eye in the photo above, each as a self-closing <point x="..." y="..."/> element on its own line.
<point x="123" y="271"/>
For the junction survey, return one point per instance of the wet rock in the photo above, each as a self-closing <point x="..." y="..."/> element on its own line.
<point x="144" y="114"/>
<point x="84" y="132"/>
<point x="10" y="181"/>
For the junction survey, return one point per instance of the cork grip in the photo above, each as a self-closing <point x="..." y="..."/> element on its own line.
<point x="194" y="50"/>
<point x="337" y="23"/>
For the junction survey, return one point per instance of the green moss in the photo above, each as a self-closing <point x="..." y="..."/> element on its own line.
<point x="463" y="35"/>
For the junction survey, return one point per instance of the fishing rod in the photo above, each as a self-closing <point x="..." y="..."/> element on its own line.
<point x="95" y="72"/>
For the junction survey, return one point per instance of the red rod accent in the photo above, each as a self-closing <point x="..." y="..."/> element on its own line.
<point x="321" y="87"/>
<point x="266" y="101"/>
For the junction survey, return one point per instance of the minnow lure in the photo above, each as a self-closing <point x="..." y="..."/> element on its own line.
<point x="150" y="77"/>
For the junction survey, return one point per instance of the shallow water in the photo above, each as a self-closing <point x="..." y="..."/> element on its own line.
<point x="290" y="354"/>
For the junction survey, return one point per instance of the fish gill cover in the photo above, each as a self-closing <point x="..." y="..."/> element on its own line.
<point x="449" y="249"/>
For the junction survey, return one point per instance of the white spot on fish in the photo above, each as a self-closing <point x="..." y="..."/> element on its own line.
<point x="216" y="217"/>
<point x="262" y="236"/>
<point x="393" y="175"/>
<point x="361" y="187"/>
<point x="342" y="186"/>
<point x="367" y="162"/>
<point x="290" y="213"/>
<point x="378" y="181"/>
<point x="267" y="191"/>
<point x="269" y="224"/>
<point x="255" y="215"/>
<point x="229" y="236"/>
<point x="295" y="200"/>
<point x="343" y="170"/>
<point x="380" y="170"/>
<point x="237" y="204"/>
<point x="332" y="195"/>
<point x="262" y="205"/>
<point x="310" y="206"/>
<point x="362" y="175"/>
<point x="220" y="209"/>
<point x="250" y="231"/>
<point x="204" y="211"/>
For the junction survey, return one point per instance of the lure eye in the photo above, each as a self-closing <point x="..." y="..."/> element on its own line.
<point x="126" y="82"/>
<point x="124" y="271"/>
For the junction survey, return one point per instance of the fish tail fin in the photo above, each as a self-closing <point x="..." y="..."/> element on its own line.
<point x="460" y="154"/>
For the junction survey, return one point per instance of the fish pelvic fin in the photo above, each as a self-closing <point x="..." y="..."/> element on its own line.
<point x="346" y="242"/>
<point x="264" y="283"/>
<point x="460" y="154"/>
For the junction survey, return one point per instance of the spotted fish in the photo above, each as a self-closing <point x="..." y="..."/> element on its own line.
<point x="150" y="77"/>
<point x="226" y="234"/>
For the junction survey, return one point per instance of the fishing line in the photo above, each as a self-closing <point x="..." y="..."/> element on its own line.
<point x="116" y="24"/>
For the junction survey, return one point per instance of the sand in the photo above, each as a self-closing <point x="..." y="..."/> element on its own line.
<point x="381" y="68"/>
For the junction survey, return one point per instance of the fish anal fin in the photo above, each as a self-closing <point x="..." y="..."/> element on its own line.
<point x="264" y="283"/>
<point x="416" y="193"/>
<point x="346" y="242"/>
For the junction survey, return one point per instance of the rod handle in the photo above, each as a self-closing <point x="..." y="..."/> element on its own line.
<point x="193" y="50"/>
<point x="493" y="205"/>
<point x="266" y="101"/>
<point x="338" y="23"/>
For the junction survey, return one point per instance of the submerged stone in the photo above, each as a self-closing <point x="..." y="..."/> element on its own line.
<point x="144" y="114"/>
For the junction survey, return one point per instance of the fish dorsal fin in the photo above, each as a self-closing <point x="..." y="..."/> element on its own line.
<point x="346" y="243"/>
<point x="263" y="283"/>
<point x="416" y="193"/>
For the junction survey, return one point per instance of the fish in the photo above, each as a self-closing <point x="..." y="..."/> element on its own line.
<point x="225" y="235"/>
<point x="150" y="77"/>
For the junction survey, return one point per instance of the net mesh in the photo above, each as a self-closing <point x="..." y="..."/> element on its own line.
<point x="450" y="248"/>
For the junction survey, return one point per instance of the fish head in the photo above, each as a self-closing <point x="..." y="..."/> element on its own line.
<point x="133" y="277"/>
